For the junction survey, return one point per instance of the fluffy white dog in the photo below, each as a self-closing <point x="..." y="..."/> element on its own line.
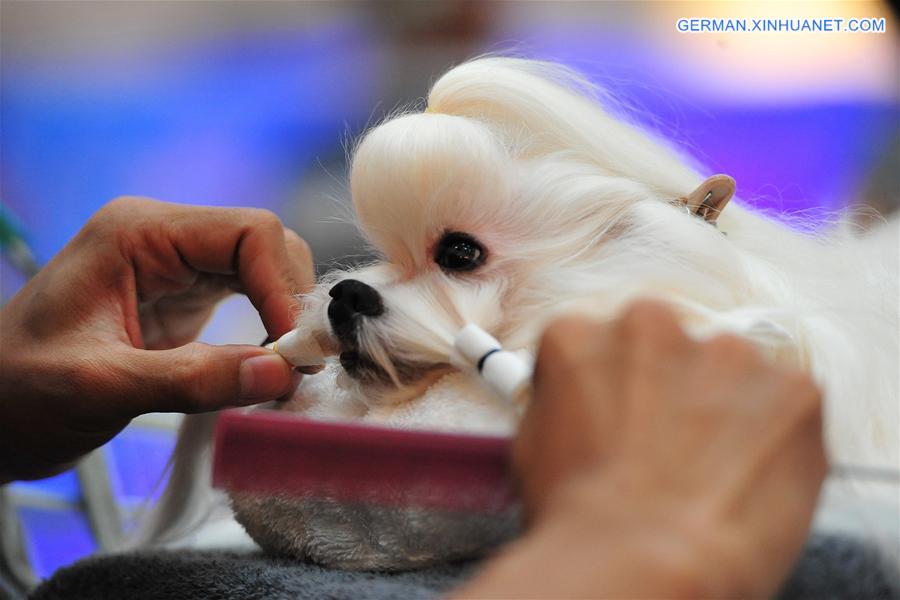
<point x="514" y="197"/>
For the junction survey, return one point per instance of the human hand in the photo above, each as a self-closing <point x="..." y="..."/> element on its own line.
<point x="103" y="333"/>
<point x="654" y="465"/>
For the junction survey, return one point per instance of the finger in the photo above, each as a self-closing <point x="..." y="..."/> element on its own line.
<point x="656" y="356"/>
<point x="565" y="345"/>
<point x="791" y="479"/>
<point x="251" y="244"/>
<point x="575" y="386"/>
<point x="199" y="377"/>
<point x="650" y="328"/>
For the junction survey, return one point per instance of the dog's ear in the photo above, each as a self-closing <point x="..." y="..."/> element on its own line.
<point x="709" y="199"/>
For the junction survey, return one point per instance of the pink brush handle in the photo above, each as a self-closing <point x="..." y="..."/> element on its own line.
<point x="272" y="453"/>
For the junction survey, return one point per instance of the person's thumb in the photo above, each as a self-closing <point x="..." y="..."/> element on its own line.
<point x="199" y="377"/>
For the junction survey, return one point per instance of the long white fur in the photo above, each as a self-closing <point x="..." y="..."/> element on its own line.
<point x="578" y="210"/>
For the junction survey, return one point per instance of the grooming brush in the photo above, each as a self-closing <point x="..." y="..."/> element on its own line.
<point x="277" y="453"/>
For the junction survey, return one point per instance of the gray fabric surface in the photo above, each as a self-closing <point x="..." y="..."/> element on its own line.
<point x="185" y="575"/>
<point x="830" y="567"/>
<point x="838" y="568"/>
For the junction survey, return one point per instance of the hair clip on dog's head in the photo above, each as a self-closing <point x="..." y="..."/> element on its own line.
<point x="710" y="198"/>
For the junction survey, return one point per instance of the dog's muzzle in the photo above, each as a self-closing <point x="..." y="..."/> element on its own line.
<point x="351" y="300"/>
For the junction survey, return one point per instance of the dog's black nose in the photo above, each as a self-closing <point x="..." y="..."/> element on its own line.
<point x="349" y="299"/>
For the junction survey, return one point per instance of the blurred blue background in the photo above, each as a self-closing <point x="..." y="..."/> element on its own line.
<point x="252" y="104"/>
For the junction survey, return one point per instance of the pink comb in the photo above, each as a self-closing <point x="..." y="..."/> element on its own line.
<point x="275" y="453"/>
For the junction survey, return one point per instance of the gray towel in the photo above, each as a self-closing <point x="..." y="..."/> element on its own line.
<point x="192" y="575"/>
<point x="840" y="568"/>
<point x="830" y="567"/>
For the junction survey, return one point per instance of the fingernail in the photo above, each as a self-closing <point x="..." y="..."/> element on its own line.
<point x="264" y="377"/>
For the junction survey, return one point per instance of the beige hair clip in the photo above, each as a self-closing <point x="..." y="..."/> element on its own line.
<point x="710" y="198"/>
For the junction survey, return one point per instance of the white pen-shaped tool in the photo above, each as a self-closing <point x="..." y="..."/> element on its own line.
<point x="507" y="373"/>
<point x="301" y="348"/>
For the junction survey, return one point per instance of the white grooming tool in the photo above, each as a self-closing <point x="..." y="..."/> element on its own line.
<point x="300" y="348"/>
<point x="505" y="372"/>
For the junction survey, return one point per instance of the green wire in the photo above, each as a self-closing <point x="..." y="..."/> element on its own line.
<point x="14" y="246"/>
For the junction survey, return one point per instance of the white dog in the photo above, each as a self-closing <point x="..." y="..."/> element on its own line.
<point x="514" y="197"/>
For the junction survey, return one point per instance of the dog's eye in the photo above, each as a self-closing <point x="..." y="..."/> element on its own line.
<point x="459" y="252"/>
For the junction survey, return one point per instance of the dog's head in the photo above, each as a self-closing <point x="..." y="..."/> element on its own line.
<point x="511" y="198"/>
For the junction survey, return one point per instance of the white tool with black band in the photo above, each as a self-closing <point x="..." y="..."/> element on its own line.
<point x="507" y="373"/>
